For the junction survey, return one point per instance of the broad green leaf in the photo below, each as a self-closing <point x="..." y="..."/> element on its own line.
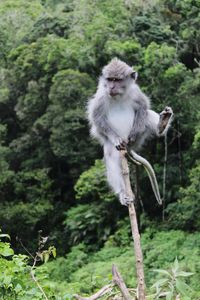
<point x="169" y="296"/>
<point x="160" y="282"/>
<point x="182" y="287"/>
<point x="184" y="274"/>
<point x="175" y="266"/>
<point x="6" y="251"/>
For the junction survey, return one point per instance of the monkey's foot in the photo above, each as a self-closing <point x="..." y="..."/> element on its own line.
<point x="125" y="200"/>
<point x="165" y="118"/>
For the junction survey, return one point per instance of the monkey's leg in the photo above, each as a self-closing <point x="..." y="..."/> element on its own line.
<point x="114" y="172"/>
<point x="157" y="124"/>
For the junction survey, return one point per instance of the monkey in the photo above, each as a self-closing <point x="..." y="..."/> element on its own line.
<point x="120" y="118"/>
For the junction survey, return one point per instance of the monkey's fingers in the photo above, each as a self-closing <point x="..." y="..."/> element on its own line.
<point x="121" y="146"/>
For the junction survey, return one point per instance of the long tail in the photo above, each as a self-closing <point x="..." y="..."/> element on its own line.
<point x="150" y="171"/>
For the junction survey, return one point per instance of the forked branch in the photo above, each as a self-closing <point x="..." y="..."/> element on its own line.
<point x="117" y="281"/>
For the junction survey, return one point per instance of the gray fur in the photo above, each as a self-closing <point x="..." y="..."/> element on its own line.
<point x="117" y="69"/>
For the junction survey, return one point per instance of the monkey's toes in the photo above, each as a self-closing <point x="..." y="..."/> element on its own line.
<point x="126" y="200"/>
<point x="167" y="111"/>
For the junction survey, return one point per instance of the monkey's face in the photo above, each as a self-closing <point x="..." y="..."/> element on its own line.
<point x="115" y="86"/>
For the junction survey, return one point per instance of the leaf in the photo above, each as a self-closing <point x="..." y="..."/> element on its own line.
<point x="45" y="256"/>
<point x="176" y="265"/>
<point x="7" y="280"/>
<point x="18" y="288"/>
<point x="182" y="287"/>
<point x="161" y="271"/>
<point x="53" y="251"/>
<point x="40" y="255"/>
<point x="184" y="274"/>
<point x="160" y="282"/>
<point x="6" y="250"/>
<point x="169" y="296"/>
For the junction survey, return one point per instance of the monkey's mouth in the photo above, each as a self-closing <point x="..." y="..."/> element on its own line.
<point x="113" y="94"/>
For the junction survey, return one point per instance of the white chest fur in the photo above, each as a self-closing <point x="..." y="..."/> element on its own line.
<point x="121" y="117"/>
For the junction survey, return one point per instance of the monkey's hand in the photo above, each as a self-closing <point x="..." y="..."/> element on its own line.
<point x="120" y="144"/>
<point x="165" y="119"/>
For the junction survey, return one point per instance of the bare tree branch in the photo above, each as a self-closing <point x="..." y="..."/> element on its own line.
<point x="35" y="280"/>
<point x="118" y="280"/>
<point x="134" y="229"/>
<point x="104" y="290"/>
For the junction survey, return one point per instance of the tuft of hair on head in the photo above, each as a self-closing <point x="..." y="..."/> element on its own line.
<point x="117" y="69"/>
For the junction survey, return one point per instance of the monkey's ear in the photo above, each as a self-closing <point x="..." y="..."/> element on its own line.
<point x="134" y="75"/>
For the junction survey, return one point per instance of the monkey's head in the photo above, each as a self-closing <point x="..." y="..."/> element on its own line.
<point x="117" y="77"/>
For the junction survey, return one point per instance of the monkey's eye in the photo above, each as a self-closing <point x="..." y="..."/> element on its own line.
<point x="114" y="79"/>
<point x="118" y="79"/>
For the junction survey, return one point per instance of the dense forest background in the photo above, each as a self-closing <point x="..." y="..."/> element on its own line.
<point x="51" y="172"/>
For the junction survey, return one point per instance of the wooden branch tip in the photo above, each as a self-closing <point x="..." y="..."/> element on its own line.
<point x="118" y="280"/>
<point x="104" y="290"/>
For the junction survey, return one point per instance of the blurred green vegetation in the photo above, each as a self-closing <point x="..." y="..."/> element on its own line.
<point x="51" y="173"/>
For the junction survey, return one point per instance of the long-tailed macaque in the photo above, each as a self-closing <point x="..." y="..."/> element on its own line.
<point x="120" y="118"/>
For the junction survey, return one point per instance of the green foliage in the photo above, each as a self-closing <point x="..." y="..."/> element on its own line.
<point x="16" y="275"/>
<point x="172" y="283"/>
<point x="62" y="268"/>
<point x="149" y="27"/>
<point x="33" y="200"/>
<point x="70" y="89"/>
<point x="158" y="58"/>
<point x="184" y="214"/>
<point x="92" y="184"/>
<point x="91" y="223"/>
<point x="17" y="17"/>
<point x="86" y="273"/>
<point x="130" y="49"/>
<point x="51" y="54"/>
<point x="97" y="274"/>
<point x="88" y="224"/>
<point x="49" y="24"/>
<point x="40" y="58"/>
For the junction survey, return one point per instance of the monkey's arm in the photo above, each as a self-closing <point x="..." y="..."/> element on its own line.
<point x="138" y="124"/>
<point x="141" y="105"/>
